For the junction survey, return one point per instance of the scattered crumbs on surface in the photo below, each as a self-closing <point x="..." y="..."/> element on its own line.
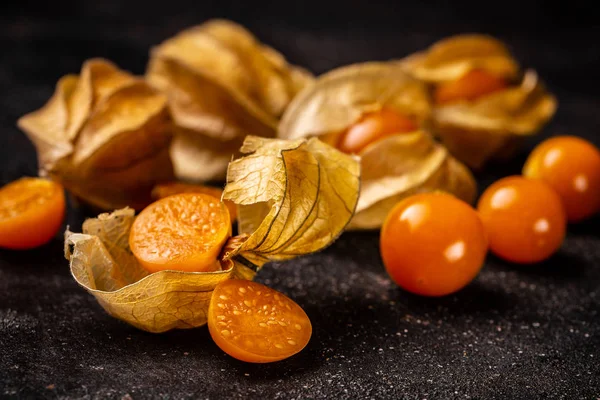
<point x="474" y="336"/>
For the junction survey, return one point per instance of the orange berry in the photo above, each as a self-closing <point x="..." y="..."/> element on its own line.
<point x="474" y="84"/>
<point x="183" y="232"/>
<point x="256" y="324"/>
<point x="570" y="165"/>
<point x="433" y="244"/>
<point x="372" y="127"/>
<point x="32" y="211"/>
<point x="168" y="189"/>
<point x="524" y="218"/>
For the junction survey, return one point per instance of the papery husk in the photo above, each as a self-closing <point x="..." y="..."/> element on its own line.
<point x="295" y="198"/>
<point x="104" y="135"/>
<point x="401" y="165"/>
<point x="451" y="58"/>
<point x="393" y="167"/>
<point x="222" y="84"/>
<point x="340" y="97"/>
<point x="103" y="264"/>
<point x="493" y="126"/>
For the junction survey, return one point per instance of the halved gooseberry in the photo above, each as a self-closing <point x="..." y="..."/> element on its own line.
<point x="31" y="212"/>
<point x="168" y="189"/>
<point x="183" y="232"/>
<point x="472" y="85"/>
<point x="257" y="324"/>
<point x="372" y="127"/>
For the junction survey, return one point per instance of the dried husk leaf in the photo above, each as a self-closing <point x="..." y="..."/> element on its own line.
<point x="493" y="125"/>
<point x="311" y="191"/>
<point x="453" y="57"/>
<point x="391" y="168"/>
<point x="402" y="165"/>
<point x="104" y="135"/>
<point x="222" y="85"/>
<point x="340" y="97"/>
<point x="294" y="197"/>
<point x="103" y="264"/>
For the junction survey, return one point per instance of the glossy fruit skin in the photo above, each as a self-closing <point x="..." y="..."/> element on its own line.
<point x="372" y="127"/>
<point x="32" y="211"/>
<point x="524" y="218"/>
<point x="257" y="324"/>
<point x="433" y="244"/>
<point x="474" y="84"/>
<point x="570" y="165"/>
<point x="163" y="190"/>
<point x="183" y="232"/>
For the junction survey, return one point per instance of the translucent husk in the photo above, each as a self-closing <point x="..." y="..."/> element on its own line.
<point x="493" y="125"/>
<point x="393" y="167"/>
<point x="402" y="165"/>
<point x="294" y="198"/>
<point x="340" y="97"/>
<point x="222" y="85"/>
<point x="104" y="135"/>
<point x="451" y="58"/>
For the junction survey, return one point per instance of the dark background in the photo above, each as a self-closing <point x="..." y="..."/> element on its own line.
<point x="515" y="332"/>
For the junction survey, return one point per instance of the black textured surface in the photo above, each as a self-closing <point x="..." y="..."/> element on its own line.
<point x="515" y="332"/>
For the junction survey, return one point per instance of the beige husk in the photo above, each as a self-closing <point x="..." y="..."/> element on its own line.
<point x="393" y="167"/>
<point x="104" y="135"/>
<point x="222" y="85"/>
<point x="491" y="126"/>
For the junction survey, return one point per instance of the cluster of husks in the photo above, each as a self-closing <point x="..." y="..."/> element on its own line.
<point x="109" y="137"/>
<point x="214" y="93"/>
